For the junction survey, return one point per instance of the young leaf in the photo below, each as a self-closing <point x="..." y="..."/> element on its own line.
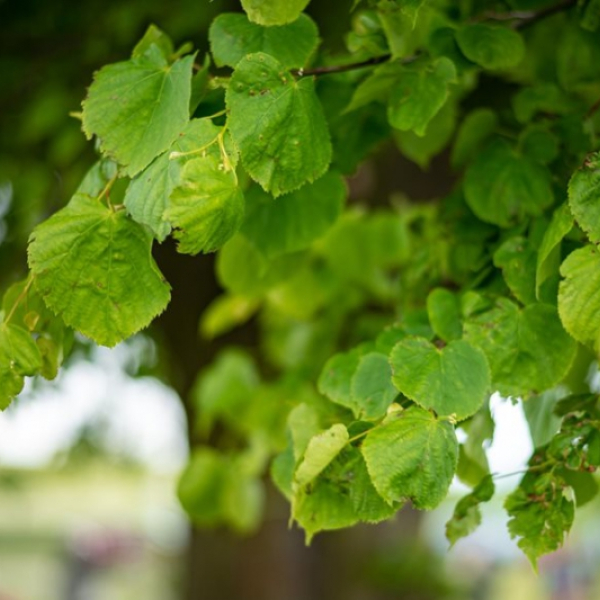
<point x="490" y="46"/>
<point x="207" y="206"/>
<point x="467" y="515"/>
<point x="278" y="125"/>
<point x="419" y="94"/>
<point x="137" y="108"/>
<point x="528" y="350"/>
<point x="19" y="356"/>
<point x="412" y="457"/>
<point x="443" y="310"/>
<point x="232" y="36"/>
<point x="223" y="389"/>
<point x="540" y="514"/>
<point x="273" y="12"/>
<point x="335" y="381"/>
<point x="377" y="86"/>
<point x="475" y="128"/>
<point x="157" y="37"/>
<point x="93" y="267"/>
<point x="579" y="296"/>
<point x="560" y="225"/>
<point x="371" y="388"/>
<point x="502" y="187"/>
<point x="584" y="196"/>
<point x="421" y="149"/>
<point x="517" y="259"/>
<point x="147" y="195"/>
<point x="452" y="381"/>
<point x="321" y="450"/>
<point x="541" y="418"/>
<point x="341" y="496"/>
<point x="294" y="221"/>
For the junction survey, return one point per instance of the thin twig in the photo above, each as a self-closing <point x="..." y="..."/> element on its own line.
<point x="377" y="60"/>
<point x="522" y="20"/>
<point x="19" y="299"/>
<point x="593" y="109"/>
<point x="534" y="17"/>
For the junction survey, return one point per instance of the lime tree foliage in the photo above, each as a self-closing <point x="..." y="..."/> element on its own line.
<point x="383" y="332"/>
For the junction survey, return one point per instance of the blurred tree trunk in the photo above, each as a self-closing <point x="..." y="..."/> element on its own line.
<point x="275" y="564"/>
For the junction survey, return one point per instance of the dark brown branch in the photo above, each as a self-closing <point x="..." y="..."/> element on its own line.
<point x="343" y="68"/>
<point x="534" y="17"/>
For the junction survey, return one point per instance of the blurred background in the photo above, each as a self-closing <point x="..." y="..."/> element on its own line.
<point x="89" y="462"/>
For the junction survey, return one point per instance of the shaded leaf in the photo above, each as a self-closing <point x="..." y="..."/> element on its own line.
<point x="93" y="267"/>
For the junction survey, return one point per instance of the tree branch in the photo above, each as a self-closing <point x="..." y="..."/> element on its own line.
<point x="343" y="68"/>
<point x="534" y="17"/>
<point x="523" y="20"/>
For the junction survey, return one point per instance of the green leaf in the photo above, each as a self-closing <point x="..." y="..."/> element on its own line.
<point x="207" y="206"/>
<point x="224" y="313"/>
<point x="579" y="296"/>
<point x="232" y="36"/>
<point x="377" y="86"/>
<point x="518" y="259"/>
<point x="539" y="144"/>
<point x="223" y="390"/>
<point x="539" y="412"/>
<point x="467" y="515"/>
<point x="490" y="46"/>
<point x="584" y="485"/>
<point x="97" y="177"/>
<point x="545" y="98"/>
<point x="137" y="108"/>
<point x="321" y="450"/>
<point x="341" y="496"/>
<point x="274" y="12"/>
<point x="278" y="125"/>
<point x="147" y="196"/>
<point x="28" y="311"/>
<point x="157" y="37"/>
<point x="214" y="489"/>
<point x="472" y="460"/>
<point x="19" y="356"/>
<point x="93" y="267"/>
<point x="454" y="380"/>
<point x="421" y="149"/>
<point x="584" y="196"/>
<point x="444" y="314"/>
<point x="294" y="221"/>
<point x="419" y="94"/>
<point x="474" y="129"/>
<point x="502" y="187"/>
<point x="560" y="225"/>
<point x="244" y="271"/>
<point x="412" y="457"/>
<point x="371" y="388"/>
<point x="540" y="514"/>
<point x="528" y="350"/>
<point x="335" y="381"/>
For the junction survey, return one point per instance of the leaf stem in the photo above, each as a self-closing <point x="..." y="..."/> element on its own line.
<point x="343" y="68"/>
<point x="195" y="151"/>
<point x="532" y="469"/>
<point x="104" y="193"/>
<point x="19" y="299"/>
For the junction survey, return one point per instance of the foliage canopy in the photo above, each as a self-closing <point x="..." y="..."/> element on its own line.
<point x="383" y="331"/>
